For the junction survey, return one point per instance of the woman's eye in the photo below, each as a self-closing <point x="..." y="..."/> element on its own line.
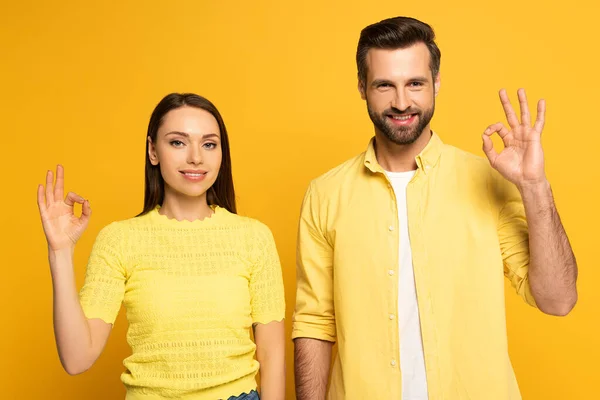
<point x="176" y="143"/>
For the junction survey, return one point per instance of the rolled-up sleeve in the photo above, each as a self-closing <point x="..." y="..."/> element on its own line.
<point x="513" y="235"/>
<point x="314" y="315"/>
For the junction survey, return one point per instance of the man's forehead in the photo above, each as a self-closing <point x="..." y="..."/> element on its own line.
<point x="402" y="61"/>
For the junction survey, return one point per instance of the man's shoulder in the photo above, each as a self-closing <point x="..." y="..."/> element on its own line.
<point x="473" y="170"/>
<point x="337" y="176"/>
<point x="465" y="161"/>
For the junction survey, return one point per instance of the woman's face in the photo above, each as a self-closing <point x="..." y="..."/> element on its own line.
<point x="188" y="151"/>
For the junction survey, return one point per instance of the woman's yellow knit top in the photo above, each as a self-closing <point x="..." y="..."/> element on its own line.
<point x="192" y="291"/>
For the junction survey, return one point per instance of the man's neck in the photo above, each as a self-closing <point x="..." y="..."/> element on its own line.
<point x="399" y="157"/>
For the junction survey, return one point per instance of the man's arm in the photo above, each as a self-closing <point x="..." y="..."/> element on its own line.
<point x="552" y="265"/>
<point x="549" y="270"/>
<point x="314" y="317"/>
<point x="312" y="358"/>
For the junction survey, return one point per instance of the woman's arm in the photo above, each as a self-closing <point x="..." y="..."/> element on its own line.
<point x="270" y="352"/>
<point x="79" y="341"/>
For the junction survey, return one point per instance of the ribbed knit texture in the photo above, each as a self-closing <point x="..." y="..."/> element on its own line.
<point x="192" y="291"/>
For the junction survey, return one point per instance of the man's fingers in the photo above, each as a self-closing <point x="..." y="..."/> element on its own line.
<point x="525" y="118"/>
<point x="540" y="118"/>
<point x="511" y="117"/>
<point x="488" y="149"/>
<point x="502" y="131"/>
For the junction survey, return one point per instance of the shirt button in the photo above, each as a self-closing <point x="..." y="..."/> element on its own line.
<point x="391" y="316"/>
<point x="428" y="167"/>
<point x="393" y="363"/>
<point x="391" y="272"/>
<point x="391" y="228"/>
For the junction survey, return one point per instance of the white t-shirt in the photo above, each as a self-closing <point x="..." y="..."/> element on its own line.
<point x="412" y="361"/>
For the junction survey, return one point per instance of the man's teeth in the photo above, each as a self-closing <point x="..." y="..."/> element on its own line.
<point x="401" y="117"/>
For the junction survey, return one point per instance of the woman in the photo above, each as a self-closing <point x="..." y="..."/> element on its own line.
<point x="193" y="275"/>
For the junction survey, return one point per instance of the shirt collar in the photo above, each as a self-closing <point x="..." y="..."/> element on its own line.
<point x="426" y="159"/>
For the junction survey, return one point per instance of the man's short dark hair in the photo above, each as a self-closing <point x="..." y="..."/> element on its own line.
<point x="396" y="33"/>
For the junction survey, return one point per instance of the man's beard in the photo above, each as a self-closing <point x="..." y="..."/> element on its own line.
<point x="402" y="135"/>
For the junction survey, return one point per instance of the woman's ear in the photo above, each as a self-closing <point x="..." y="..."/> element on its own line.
<point x="152" y="152"/>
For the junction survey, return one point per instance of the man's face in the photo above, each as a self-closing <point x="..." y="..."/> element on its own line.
<point x="400" y="92"/>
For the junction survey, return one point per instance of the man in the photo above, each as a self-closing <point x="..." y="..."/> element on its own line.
<point x="402" y="250"/>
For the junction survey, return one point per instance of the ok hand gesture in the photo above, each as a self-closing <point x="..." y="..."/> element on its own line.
<point x="522" y="159"/>
<point x="61" y="226"/>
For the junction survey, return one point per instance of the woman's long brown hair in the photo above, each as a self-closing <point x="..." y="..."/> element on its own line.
<point x="221" y="193"/>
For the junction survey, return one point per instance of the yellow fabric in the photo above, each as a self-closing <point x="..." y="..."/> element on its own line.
<point x="191" y="290"/>
<point x="467" y="229"/>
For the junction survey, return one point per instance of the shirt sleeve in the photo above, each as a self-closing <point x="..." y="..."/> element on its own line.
<point x="267" y="297"/>
<point x="104" y="286"/>
<point x="513" y="236"/>
<point x="314" y="315"/>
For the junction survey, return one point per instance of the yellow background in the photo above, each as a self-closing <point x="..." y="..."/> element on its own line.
<point x="79" y="80"/>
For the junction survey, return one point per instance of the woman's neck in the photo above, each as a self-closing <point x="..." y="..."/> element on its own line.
<point x="181" y="207"/>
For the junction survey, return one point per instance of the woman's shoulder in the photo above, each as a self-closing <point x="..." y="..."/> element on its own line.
<point x="245" y="223"/>
<point x="120" y="228"/>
